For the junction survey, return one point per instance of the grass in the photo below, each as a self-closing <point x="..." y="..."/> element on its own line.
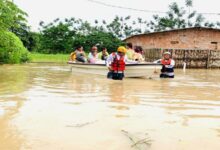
<point x="58" y="58"/>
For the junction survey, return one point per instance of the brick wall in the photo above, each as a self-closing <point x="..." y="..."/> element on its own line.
<point x="191" y="38"/>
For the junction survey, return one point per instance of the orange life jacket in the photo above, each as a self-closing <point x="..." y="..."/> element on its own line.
<point x="118" y="65"/>
<point x="73" y="56"/>
<point x="165" y="69"/>
<point x="166" y="62"/>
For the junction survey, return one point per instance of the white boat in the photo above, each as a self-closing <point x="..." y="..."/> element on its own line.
<point x="132" y="70"/>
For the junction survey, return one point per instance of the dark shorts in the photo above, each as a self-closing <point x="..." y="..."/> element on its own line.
<point x="81" y="59"/>
<point x="115" y="76"/>
<point x="165" y="76"/>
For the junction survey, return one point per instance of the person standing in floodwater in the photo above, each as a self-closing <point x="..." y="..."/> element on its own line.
<point x="168" y="63"/>
<point x="116" y="64"/>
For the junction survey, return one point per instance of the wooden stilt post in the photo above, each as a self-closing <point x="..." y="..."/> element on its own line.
<point x="208" y="59"/>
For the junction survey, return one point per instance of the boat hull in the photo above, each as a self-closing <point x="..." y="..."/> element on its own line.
<point x="132" y="70"/>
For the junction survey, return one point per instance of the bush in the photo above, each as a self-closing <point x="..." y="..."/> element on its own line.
<point x="99" y="38"/>
<point x="64" y="37"/>
<point x="56" y="39"/>
<point x="12" y="49"/>
<point x="103" y="39"/>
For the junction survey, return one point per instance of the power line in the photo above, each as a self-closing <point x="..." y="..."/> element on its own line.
<point x="127" y="8"/>
<point x="140" y="10"/>
<point x="209" y="13"/>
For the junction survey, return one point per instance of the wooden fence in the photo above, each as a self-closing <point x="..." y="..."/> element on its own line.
<point x="193" y="58"/>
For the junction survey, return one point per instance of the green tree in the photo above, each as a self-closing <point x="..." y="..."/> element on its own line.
<point x="10" y="15"/>
<point x="177" y="17"/>
<point x="101" y="39"/>
<point x="189" y="4"/>
<point x="63" y="36"/>
<point x="56" y="38"/>
<point x="33" y="41"/>
<point x="173" y="19"/>
<point x="12" y="49"/>
<point x="121" y="28"/>
<point x="22" y="30"/>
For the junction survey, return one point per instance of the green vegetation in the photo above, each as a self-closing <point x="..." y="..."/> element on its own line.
<point x="11" y="47"/>
<point x="59" y="58"/>
<point x="11" y="16"/>
<point x="62" y="36"/>
<point x="178" y="17"/>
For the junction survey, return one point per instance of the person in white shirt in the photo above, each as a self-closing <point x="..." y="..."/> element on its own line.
<point x="93" y="55"/>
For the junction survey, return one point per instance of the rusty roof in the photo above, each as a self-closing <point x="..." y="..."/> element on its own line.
<point x="150" y="33"/>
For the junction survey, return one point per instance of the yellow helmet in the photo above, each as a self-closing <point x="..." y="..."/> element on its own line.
<point x="122" y="49"/>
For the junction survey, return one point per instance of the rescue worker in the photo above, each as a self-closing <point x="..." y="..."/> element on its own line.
<point x="116" y="63"/>
<point x="167" y="70"/>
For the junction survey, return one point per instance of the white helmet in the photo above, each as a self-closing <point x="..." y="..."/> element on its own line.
<point x="167" y="53"/>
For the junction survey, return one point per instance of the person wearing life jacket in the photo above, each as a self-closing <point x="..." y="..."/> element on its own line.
<point x="78" y="55"/>
<point x="72" y="56"/>
<point x="116" y="63"/>
<point x="167" y="70"/>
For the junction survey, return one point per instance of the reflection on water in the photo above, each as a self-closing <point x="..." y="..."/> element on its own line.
<point x="13" y="81"/>
<point x="45" y="106"/>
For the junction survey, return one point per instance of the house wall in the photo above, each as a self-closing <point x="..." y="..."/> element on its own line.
<point x="193" y="38"/>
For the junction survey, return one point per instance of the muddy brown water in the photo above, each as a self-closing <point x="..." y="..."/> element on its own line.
<point x="47" y="107"/>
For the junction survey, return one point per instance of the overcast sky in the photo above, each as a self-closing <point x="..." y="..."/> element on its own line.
<point x="48" y="10"/>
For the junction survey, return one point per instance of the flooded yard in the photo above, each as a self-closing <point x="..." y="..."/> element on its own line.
<point x="47" y="107"/>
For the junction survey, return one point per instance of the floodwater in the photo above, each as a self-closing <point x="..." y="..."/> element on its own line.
<point x="47" y="107"/>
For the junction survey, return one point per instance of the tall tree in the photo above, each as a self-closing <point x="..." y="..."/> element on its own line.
<point x="63" y="36"/>
<point x="11" y="47"/>
<point x="189" y="4"/>
<point x="122" y="27"/>
<point x="10" y="15"/>
<point x="56" y="37"/>
<point x="176" y="17"/>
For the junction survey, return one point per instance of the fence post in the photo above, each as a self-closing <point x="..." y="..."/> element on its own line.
<point x="184" y="58"/>
<point x="208" y="59"/>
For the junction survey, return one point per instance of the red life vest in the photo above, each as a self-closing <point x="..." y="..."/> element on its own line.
<point x="167" y="70"/>
<point x="118" y="65"/>
<point x="166" y="62"/>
